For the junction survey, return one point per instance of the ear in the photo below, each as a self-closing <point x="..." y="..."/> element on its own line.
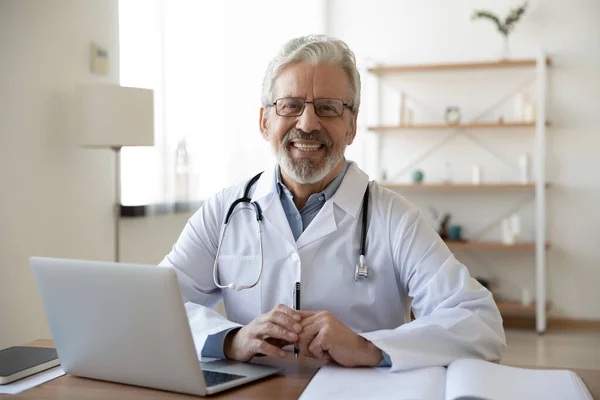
<point x="352" y="132"/>
<point x="264" y="123"/>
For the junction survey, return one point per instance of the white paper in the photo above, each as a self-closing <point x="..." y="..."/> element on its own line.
<point x="32" y="381"/>
<point x="484" y="380"/>
<point x="333" y="382"/>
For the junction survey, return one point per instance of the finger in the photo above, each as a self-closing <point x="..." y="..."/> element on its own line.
<point x="282" y="308"/>
<point x="272" y="330"/>
<point x="278" y="342"/>
<point x="312" y="319"/>
<point x="307" y="335"/>
<point x="268" y="349"/>
<point x="310" y="331"/>
<point x="303" y="344"/>
<point x="306" y="314"/>
<point x="316" y="316"/>
<point x="285" y="321"/>
<point x="316" y="348"/>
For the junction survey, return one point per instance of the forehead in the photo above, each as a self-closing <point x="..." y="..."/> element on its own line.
<point x="311" y="81"/>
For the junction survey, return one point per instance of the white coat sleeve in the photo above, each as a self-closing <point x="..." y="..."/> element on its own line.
<point x="455" y="317"/>
<point x="192" y="257"/>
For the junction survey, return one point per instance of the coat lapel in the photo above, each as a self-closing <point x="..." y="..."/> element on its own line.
<point x="272" y="210"/>
<point x="348" y="197"/>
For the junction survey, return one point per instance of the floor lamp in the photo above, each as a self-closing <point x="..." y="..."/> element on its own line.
<point x="113" y="116"/>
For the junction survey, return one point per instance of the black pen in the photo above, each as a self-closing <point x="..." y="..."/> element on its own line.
<point x="297" y="308"/>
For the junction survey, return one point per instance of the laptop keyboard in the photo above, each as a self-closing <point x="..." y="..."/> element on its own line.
<point x="213" y="378"/>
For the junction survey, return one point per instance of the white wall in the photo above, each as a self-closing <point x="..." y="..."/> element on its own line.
<point x="55" y="198"/>
<point x="429" y="31"/>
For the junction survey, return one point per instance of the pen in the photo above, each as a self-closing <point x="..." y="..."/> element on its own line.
<point x="297" y="308"/>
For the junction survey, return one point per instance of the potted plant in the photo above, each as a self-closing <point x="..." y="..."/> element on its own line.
<point x="504" y="27"/>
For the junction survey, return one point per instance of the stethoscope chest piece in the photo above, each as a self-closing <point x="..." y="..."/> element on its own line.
<point x="361" y="272"/>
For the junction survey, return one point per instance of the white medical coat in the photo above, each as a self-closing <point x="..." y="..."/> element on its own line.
<point x="455" y="316"/>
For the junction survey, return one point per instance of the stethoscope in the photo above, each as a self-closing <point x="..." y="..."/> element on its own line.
<point x="361" y="272"/>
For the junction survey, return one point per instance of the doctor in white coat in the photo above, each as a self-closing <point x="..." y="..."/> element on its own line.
<point x="312" y="206"/>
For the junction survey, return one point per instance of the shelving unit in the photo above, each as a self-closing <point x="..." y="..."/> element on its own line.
<point x="530" y="62"/>
<point x="471" y="125"/>
<point x="539" y="186"/>
<point x="461" y="186"/>
<point x="516" y="308"/>
<point x="468" y="245"/>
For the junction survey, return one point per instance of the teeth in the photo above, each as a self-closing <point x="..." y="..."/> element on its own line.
<point x="307" y="147"/>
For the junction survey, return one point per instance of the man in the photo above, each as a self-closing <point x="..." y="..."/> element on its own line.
<point x="311" y="225"/>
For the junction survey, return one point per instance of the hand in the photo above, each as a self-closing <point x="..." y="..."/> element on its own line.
<point x="324" y="337"/>
<point x="266" y="335"/>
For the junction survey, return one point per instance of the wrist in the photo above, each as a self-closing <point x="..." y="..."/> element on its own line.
<point x="228" y="343"/>
<point x="374" y="354"/>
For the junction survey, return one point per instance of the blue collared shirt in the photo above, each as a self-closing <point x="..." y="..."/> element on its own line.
<point x="299" y="221"/>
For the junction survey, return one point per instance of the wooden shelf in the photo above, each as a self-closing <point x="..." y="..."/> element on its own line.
<point x="470" y="125"/>
<point x="513" y="308"/>
<point x="459" y="186"/>
<point x="384" y="69"/>
<point x="455" y="245"/>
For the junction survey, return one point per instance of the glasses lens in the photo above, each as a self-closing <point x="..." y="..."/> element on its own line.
<point x="329" y="107"/>
<point x="289" y="107"/>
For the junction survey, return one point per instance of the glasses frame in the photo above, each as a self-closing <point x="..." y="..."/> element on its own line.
<point x="344" y="105"/>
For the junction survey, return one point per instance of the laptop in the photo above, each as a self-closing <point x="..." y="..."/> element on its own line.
<point x="127" y="323"/>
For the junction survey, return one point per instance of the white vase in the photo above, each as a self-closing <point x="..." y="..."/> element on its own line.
<point x="505" y="48"/>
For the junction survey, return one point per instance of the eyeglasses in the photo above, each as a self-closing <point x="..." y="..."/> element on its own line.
<point x="294" y="107"/>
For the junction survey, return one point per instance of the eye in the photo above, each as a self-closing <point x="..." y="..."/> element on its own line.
<point x="291" y="104"/>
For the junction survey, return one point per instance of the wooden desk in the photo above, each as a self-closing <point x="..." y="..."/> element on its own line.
<point x="289" y="385"/>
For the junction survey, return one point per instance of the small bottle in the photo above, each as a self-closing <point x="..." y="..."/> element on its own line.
<point x="182" y="177"/>
<point x="508" y="238"/>
<point x="476" y="175"/>
<point x="515" y="226"/>
<point x="526" y="298"/>
<point x="519" y="105"/>
<point x="524" y="167"/>
<point x="448" y="173"/>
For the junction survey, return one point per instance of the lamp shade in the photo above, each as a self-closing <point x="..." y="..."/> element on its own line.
<point x="115" y="116"/>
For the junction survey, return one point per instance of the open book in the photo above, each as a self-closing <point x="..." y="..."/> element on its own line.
<point x="466" y="379"/>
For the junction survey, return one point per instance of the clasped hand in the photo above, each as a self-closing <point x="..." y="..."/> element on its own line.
<point x="318" y="334"/>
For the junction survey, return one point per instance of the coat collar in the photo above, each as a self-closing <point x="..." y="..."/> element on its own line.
<point x="348" y="197"/>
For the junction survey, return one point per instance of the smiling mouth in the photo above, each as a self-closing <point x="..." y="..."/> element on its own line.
<point x="307" y="147"/>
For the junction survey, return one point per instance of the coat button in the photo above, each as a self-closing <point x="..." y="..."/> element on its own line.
<point x="295" y="257"/>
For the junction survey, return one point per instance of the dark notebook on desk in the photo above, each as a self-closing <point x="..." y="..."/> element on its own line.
<point x="22" y="361"/>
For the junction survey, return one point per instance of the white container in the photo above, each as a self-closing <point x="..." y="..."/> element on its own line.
<point x="408" y="116"/>
<point x="525" y="168"/>
<point x="515" y="226"/>
<point x="508" y="238"/>
<point x="529" y="112"/>
<point x="447" y="173"/>
<point x="476" y="175"/>
<point x="526" y="297"/>
<point x="519" y="102"/>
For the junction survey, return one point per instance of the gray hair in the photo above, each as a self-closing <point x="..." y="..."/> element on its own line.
<point x="314" y="49"/>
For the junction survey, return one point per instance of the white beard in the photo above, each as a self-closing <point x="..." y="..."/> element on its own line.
<point x="305" y="170"/>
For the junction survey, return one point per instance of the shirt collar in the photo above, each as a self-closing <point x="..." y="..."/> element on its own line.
<point x="348" y="196"/>
<point x="328" y="192"/>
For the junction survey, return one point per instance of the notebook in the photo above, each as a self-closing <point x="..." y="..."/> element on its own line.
<point x="21" y="361"/>
<point x="466" y="379"/>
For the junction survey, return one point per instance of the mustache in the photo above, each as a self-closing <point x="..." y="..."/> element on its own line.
<point x="317" y="136"/>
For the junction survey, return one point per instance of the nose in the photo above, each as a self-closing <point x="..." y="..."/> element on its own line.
<point x="309" y="121"/>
